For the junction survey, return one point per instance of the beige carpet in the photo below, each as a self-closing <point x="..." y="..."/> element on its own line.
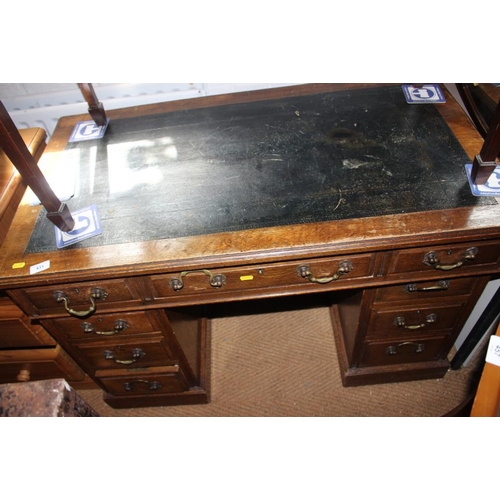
<point x="284" y="363"/>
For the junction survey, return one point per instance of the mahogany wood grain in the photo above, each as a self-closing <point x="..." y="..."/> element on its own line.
<point x="385" y="250"/>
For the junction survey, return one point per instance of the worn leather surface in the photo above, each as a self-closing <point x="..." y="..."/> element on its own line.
<point x="304" y="159"/>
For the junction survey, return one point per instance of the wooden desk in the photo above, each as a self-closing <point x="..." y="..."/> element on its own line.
<point x="401" y="270"/>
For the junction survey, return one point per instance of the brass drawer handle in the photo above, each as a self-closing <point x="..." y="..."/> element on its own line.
<point x="344" y="268"/>
<point x="120" y="326"/>
<point x="431" y="259"/>
<point x="400" y="321"/>
<point x="153" y="386"/>
<point x="216" y="280"/>
<point x="441" y="285"/>
<point x="95" y="294"/>
<point x="392" y="350"/>
<point x="136" y="355"/>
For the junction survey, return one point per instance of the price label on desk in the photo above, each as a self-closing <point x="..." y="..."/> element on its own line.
<point x="493" y="353"/>
<point x="38" y="268"/>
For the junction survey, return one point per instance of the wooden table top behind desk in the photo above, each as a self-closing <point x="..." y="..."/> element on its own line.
<point x="264" y="244"/>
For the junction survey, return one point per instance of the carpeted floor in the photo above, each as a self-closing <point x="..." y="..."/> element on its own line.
<point x="283" y="363"/>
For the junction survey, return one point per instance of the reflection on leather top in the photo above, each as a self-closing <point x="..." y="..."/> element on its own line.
<point x="315" y="158"/>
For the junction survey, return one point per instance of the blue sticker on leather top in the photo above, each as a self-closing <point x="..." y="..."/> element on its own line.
<point x="426" y="94"/>
<point x="87" y="131"/>
<point x="87" y="225"/>
<point x="490" y="188"/>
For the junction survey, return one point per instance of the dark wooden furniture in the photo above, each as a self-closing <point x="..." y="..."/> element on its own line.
<point x="27" y="351"/>
<point x="14" y="147"/>
<point x="131" y="308"/>
<point x="482" y="102"/>
<point x="96" y="109"/>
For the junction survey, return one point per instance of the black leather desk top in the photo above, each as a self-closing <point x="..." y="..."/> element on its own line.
<point x="304" y="159"/>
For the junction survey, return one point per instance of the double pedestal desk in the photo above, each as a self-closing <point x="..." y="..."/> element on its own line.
<point x="343" y="191"/>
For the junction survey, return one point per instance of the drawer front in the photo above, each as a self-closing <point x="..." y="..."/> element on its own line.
<point x="412" y="350"/>
<point x="38" y="364"/>
<point x="79" y="300"/>
<point x="18" y="333"/>
<point x="104" y="326"/>
<point x="439" y="260"/>
<point x="426" y="290"/>
<point x="400" y="323"/>
<point x="318" y="273"/>
<point x="146" y="384"/>
<point x="132" y="353"/>
<point x="16" y="330"/>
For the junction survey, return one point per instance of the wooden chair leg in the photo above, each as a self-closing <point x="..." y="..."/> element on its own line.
<point x="489" y="158"/>
<point x="96" y="109"/>
<point x="16" y="150"/>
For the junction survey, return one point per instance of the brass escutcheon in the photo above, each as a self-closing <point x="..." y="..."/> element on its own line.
<point x="392" y="350"/>
<point x="136" y="355"/>
<point x="400" y="321"/>
<point x="216" y="280"/>
<point x="95" y="294"/>
<point x="343" y="268"/>
<point x="120" y="326"/>
<point x="431" y="259"/>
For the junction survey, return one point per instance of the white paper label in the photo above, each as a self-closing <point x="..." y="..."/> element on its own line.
<point x="40" y="267"/>
<point x="493" y="354"/>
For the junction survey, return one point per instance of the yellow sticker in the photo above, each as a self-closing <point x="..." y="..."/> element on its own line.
<point x="18" y="265"/>
<point x="246" y="278"/>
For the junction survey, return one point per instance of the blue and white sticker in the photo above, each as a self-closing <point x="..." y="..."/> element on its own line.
<point x="426" y="94"/>
<point x="87" y="131"/>
<point x="490" y="188"/>
<point x="87" y="225"/>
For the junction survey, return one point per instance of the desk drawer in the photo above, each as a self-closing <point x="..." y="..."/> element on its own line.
<point x="129" y="352"/>
<point x="78" y="299"/>
<point x="401" y="323"/>
<point x="38" y="364"/>
<point x="441" y="259"/>
<point x="427" y="290"/>
<point x="327" y="273"/>
<point x="139" y="384"/>
<point x="411" y="350"/>
<point x="104" y="326"/>
<point x="16" y="331"/>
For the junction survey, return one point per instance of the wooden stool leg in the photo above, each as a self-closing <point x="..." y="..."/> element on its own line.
<point x="96" y="109"/>
<point x="488" y="159"/>
<point x="16" y="150"/>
